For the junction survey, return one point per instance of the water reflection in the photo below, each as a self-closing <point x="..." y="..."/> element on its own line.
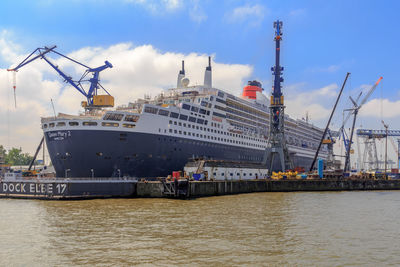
<point x="252" y="229"/>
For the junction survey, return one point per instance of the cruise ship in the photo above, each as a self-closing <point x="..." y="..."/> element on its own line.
<point x="152" y="137"/>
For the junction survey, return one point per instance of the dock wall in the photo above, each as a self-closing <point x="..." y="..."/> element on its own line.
<point x="85" y="189"/>
<point x="215" y="188"/>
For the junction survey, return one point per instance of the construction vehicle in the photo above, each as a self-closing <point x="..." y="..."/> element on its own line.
<point x="93" y="99"/>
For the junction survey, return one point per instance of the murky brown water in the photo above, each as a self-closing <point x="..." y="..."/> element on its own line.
<point x="264" y="229"/>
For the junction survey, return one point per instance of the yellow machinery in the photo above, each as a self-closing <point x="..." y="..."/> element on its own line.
<point x="103" y="101"/>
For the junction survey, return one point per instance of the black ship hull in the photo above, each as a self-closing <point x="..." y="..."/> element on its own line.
<point x="95" y="153"/>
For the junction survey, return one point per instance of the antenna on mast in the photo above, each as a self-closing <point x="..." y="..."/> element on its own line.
<point x="52" y="104"/>
<point x="207" y="75"/>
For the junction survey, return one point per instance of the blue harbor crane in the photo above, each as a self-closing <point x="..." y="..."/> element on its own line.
<point x="94" y="100"/>
<point x="276" y="142"/>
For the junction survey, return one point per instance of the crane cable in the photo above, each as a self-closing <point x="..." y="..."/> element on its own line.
<point x="15" y="87"/>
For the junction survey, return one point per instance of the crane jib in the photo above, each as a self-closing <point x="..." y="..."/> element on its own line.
<point x="94" y="81"/>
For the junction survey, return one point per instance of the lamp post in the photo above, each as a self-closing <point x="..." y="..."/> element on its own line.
<point x="386" y="128"/>
<point x="92" y="172"/>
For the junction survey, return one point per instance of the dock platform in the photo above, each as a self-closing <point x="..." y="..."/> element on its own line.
<point x="64" y="189"/>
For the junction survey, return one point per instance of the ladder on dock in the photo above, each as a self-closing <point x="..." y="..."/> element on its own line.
<point x="176" y="189"/>
<point x="200" y="166"/>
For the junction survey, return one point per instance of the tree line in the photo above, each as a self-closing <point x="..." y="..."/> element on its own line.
<point x="14" y="156"/>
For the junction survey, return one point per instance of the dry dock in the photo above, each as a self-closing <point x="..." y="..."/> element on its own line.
<point x="129" y="188"/>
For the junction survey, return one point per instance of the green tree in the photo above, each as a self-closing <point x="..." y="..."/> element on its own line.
<point x="16" y="157"/>
<point x="3" y="153"/>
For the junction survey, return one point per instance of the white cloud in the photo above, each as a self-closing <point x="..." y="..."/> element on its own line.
<point x="329" y="69"/>
<point x="316" y="102"/>
<point x="196" y="12"/>
<point x="137" y="70"/>
<point x="252" y="14"/>
<point x="158" y="6"/>
<point x="373" y="108"/>
<point x="297" y="12"/>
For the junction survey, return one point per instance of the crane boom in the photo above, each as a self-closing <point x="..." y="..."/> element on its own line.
<point x="91" y="94"/>
<point x="354" y="111"/>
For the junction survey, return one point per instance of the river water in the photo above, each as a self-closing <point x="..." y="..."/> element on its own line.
<point x="261" y="229"/>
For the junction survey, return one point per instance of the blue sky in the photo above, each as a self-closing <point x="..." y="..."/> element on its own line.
<point x="322" y="40"/>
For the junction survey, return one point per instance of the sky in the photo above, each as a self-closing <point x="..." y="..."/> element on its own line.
<point x="146" y="40"/>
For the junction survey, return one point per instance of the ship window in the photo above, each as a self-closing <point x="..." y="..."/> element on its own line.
<point x="202" y="111"/>
<point x="205" y="122"/>
<point x="201" y="121"/>
<point x="192" y="119"/>
<point x="180" y="123"/>
<point x="180" y="132"/>
<point x="89" y="123"/>
<point x="128" y="125"/>
<point x="220" y="101"/>
<point x="109" y="124"/>
<point x="132" y="118"/>
<point x="195" y="109"/>
<point x="219" y="115"/>
<point x="175" y="131"/>
<point x="208" y="112"/>
<point x="184" y="133"/>
<point x="174" y="122"/>
<point x="73" y="123"/>
<point x="183" y="117"/>
<point x="60" y="124"/>
<point x="238" y="174"/>
<point x="163" y="112"/>
<point x="186" y="106"/>
<point x="184" y="125"/>
<point x="44" y="126"/>
<point x="174" y="115"/>
<point x="113" y="117"/>
<point x="150" y="110"/>
<point x="170" y="130"/>
<point x="51" y="125"/>
<point x="244" y="174"/>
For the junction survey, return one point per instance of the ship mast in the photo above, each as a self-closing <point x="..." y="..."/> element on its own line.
<point x="276" y="142"/>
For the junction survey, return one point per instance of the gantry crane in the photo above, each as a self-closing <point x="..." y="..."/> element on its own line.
<point x="94" y="100"/>
<point x="370" y="144"/>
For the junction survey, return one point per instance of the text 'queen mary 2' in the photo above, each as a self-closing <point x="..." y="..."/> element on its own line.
<point x="153" y="137"/>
